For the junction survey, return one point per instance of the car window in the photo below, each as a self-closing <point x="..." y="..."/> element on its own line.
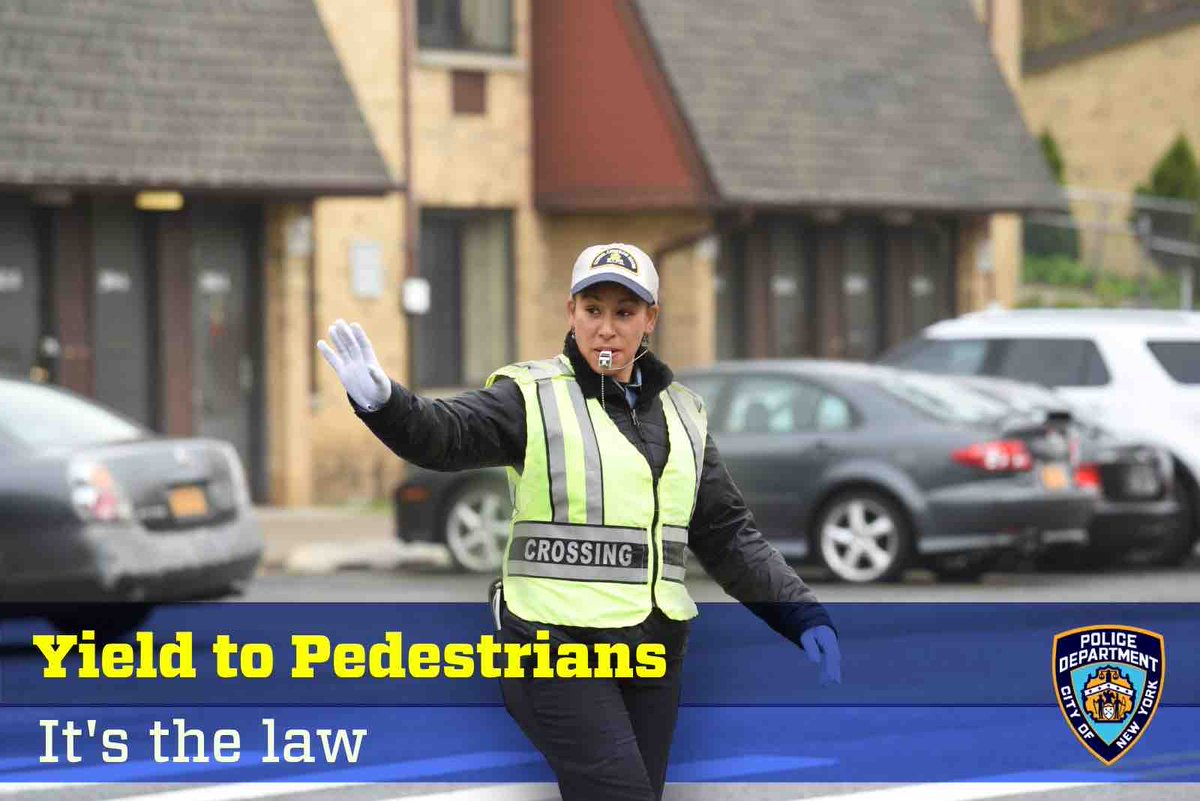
<point x="943" y="398"/>
<point x="945" y="356"/>
<point x="706" y="386"/>
<point x="38" y="417"/>
<point x="1053" y="362"/>
<point x="833" y="414"/>
<point x="1180" y="358"/>
<point x="770" y="405"/>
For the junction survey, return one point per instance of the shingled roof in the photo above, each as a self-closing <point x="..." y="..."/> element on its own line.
<point x="187" y="94"/>
<point x="870" y="103"/>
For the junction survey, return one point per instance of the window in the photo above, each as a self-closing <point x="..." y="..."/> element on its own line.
<point x="474" y="25"/>
<point x="40" y="417"/>
<point x="944" y="356"/>
<point x="730" y="286"/>
<point x="468" y="332"/>
<point x="767" y="405"/>
<point x="1053" y="362"/>
<point x="943" y="398"/>
<point x="708" y="387"/>
<point x="1180" y="358"/>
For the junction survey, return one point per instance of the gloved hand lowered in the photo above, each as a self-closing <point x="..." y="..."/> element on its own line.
<point x="820" y="643"/>
<point x="353" y="358"/>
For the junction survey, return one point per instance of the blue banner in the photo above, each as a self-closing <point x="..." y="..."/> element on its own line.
<point x="931" y="692"/>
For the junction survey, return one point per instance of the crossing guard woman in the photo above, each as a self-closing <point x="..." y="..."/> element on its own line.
<point x="613" y="475"/>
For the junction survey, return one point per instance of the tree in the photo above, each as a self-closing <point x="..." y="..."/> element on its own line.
<point x="1176" y="174"/>
<point x="1046" y="240"/>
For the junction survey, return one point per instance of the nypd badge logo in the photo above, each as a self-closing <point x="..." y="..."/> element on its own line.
<point x="615" y="257"/>
<point x="1108" y="681"/>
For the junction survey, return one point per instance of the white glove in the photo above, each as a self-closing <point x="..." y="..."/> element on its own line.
<point x="356" y="365"/>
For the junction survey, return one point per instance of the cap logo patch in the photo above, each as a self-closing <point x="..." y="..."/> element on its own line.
<point x="615" y="257"/>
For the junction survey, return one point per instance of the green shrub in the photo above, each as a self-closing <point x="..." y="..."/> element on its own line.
<point x="1057" y="270"/>
<point x="1051" y="240"/>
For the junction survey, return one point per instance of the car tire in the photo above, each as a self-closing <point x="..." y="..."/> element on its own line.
<point x="863" y="536"/>
<point x="110" y="622"/>
<point x="1176" y="545"/>
<point x="475" y="525"/>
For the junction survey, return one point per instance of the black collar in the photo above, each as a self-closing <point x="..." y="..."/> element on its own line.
<point x="656" y="375"/>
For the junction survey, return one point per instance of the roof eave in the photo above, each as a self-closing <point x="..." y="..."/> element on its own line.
<point x="352" y="188"/>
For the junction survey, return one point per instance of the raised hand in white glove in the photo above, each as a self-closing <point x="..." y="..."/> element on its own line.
<point x="353" y="358"/>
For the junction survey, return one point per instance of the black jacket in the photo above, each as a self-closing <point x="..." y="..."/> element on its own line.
<point x="486" y="428"/>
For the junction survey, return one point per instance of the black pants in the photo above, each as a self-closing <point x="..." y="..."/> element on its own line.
<point x="604" y="738"/>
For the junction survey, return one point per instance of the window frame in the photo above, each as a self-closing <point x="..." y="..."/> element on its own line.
<point x="442" y="39"/>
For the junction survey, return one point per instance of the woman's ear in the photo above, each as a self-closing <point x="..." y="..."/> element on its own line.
<point x="651" y="319"/>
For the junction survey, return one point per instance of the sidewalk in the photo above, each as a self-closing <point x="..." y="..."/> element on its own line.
<point x="323" y="539"/>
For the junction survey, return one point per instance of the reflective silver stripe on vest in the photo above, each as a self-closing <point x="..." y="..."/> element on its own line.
<point x="674" y="573"/>
<point x="617" y="575"/>
<point x="675" y="534"/>
<point x="556" y="451"/>
<point x="594" y="476"/>
<point x="579" y="553"/>
<point x="544" y="369"/>
<point x="528" y="528"/>
<point x="680" y="399"/>
<point x="674" y="553"/>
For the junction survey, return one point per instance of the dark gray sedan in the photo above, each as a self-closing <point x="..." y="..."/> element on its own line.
<point x="94" y="509"/>
<point x="866" y="469"/>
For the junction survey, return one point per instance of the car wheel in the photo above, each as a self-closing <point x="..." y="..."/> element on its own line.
<point x="1177" y="542"/>
<point x="863" y="536"/>
<point x="109" y="621"/>
<point x="475" y="526"/>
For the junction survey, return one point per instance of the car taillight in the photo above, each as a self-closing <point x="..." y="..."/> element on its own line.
<point x="96" y="495"/>
<point x="414" y="493"/>
<point x="1000" y="456"/>
<point x="1087" y="476"/>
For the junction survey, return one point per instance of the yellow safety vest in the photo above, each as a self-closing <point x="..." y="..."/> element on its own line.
<point x="594" y="542"/>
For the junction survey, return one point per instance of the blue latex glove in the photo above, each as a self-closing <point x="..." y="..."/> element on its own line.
<point x="821" y="645"/>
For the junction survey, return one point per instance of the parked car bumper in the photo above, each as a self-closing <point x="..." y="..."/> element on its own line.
<point x="1121" y="525"/>
<point x="988" y="515"/>
<point x="128" y="562"/>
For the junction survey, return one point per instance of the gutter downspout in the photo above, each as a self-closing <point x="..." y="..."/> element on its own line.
<point x="410" y="267"/>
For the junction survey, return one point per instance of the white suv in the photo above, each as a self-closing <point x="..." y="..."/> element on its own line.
<point x="1136" y="372"/>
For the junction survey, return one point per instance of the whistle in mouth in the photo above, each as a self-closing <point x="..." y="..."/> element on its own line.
<point x="606" y="359"/>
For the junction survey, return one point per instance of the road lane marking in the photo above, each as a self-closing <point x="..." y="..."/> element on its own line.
<point x="165" y="773"/>
<point x="498" y="792"/>
<point x="707" y="770"/>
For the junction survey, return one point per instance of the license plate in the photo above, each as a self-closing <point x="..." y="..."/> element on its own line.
<point x="187" y="502"/>
<point x="1141" y="480"/>
<point x="1055" y="477"/>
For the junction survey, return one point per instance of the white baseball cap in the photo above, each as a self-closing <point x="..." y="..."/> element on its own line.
<point x="623" y="264"/>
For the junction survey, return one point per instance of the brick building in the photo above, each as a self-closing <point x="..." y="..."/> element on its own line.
<point x="1114" y="102"/>
<point x="815" y="179"/>
<point x="157" y="161"/>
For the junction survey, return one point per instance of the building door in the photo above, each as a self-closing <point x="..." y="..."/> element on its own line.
<point x="20" y="287"/>
<point x="123" y="333"/>
<point x="861" y="276"/>
<point x="224" y="330"/>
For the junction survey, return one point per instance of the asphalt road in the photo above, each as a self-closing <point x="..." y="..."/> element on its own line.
<point x="436" y="584"/>
<point x="1180" y="761"/>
